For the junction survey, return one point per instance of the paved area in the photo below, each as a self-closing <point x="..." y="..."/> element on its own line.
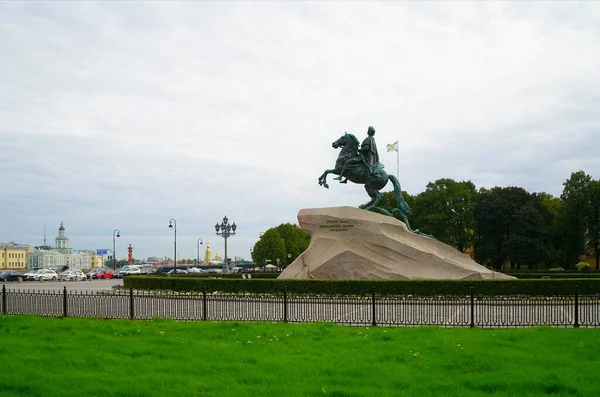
<point x="93" y="285"/>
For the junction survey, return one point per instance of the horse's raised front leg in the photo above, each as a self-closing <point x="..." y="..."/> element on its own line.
<point x="323" y="178"/>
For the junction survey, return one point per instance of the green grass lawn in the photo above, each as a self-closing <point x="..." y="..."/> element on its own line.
<point x="92" y="357"/>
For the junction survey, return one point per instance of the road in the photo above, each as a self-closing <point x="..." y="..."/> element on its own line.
<point x="85" y="286"/>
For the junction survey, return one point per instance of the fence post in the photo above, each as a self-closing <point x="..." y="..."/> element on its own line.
<point x="373" y="321"/>
<point x="65" y="301"/>
<point x="204" y="306"/>
<point x="472" y="308"/>
<point x="576" y="307"/>
<point x="131" y="313"/>
<point x="4" y="309"/>
<point x="285" y="305"/>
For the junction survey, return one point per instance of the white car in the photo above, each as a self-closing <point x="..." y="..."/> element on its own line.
<point x="44" y="274"/>
<point x="29" y="275"/>
<point x="128" y="269"/>
<point x="72" y="275"/>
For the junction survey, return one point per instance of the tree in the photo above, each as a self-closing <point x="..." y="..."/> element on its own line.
<point x="529" y="243"/>
<point x="296" y="241"/>
<point x="593" y="219"/>
<point x="553" y="210"/>
<point x="446" y="211"/>
<point x="278" y="242"/>
<point x="495" y="212"/>
<point x="268" y="248"/>
<point x="575" y="199"/>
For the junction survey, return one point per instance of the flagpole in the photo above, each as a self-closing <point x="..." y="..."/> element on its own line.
<point x="397" y="161"/>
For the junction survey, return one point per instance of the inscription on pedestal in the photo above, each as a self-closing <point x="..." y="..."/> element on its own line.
<point x="336" y="226"/>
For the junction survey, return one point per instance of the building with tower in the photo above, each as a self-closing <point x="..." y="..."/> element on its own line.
<point x="61" y="256"/>
<point x="207" y="257"/>
<point x="62" y="242"/>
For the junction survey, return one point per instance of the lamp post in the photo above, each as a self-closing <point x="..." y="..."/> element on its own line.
<point x="114" y="250"/>
<point x="225" y="230"/>
<point x="173" y="224"/>
<point x="198" y="251"/>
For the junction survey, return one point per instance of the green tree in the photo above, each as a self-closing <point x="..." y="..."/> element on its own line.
<point x="446" y="210"/>
<point x="594" y="219"/>
<point x="512" y="226"/>
<point x="296" y="241"/>
<point x="495" y="211"/>
<point x="270" y="246"/>
<point x="554" y="209"/>
<point x="120" y="263"/>
<point x="278" y="242"/>
<point x="529" y="243"/>
<point x="575" y="199"/>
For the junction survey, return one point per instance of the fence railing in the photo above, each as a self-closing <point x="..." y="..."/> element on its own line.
<point x="446" y="311"/>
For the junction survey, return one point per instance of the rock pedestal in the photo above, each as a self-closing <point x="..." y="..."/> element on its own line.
<point x="350" y="243"/>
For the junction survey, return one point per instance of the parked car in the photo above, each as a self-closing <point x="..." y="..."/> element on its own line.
<point x="10" y="275"/>
<point x="44" y="274"/>
<point x="127" y="270"/>
<point x="29" y="275"/>
<point x="104" y="274"/>
<point x="72" y="275"/>
<point x="91" y="274"/>
<point x="177" y="271"/>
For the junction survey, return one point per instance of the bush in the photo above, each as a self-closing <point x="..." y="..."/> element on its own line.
<point x="556" y="275"/>
<point x="583" y="267"/>
<point x="556" y="269"/>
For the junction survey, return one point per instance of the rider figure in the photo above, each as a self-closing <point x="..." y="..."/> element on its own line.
<point x="368" y="155"/>
<point x="368" y="149"/>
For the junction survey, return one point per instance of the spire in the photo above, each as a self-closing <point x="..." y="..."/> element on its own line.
<point x="207" y="256"/>
<point x="61" y="226"/>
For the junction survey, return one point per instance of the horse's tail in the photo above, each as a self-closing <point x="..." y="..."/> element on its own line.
<point x="401" y="205"/>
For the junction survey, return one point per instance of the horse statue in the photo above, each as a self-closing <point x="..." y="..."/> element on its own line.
<point x="351" y="165"/>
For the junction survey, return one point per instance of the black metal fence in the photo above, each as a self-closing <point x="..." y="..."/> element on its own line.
<point x="446" y="311"/>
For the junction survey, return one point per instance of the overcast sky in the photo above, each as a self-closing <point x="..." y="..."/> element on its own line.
<point x="122" y="115"/>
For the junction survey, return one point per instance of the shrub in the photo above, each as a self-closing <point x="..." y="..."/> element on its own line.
<point x="556" y="269"/>
<point x="583" y="266"/>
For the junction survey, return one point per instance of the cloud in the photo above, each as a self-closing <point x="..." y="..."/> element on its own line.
<point x="124" y="115"/>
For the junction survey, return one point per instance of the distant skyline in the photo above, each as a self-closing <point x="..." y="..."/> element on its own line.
<point x="123" y="115"/>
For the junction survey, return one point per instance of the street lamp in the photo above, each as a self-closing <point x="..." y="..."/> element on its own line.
<point x="173" y="224"/>
<point x="198" y="252"/>
<point x="225" y="230"/>
<point x="114" y="250"/>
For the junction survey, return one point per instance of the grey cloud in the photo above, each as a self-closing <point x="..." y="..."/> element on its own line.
<point x="123" y="115"/>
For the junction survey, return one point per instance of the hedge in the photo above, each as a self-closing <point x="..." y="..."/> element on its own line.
<point x="216" y="275"/>
<point x="555" y="275"/>
<point x="362" y="287"/>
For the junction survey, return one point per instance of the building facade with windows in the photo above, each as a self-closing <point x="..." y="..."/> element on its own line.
<point x="62" y="256"/>
<point x="14" y="256"/>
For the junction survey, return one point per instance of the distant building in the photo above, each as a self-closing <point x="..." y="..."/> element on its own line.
<point x="62" y="256"/>
<point x="62" y="242"/>
<point x="13" y="255"/>
<point x="207" y="252"/>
